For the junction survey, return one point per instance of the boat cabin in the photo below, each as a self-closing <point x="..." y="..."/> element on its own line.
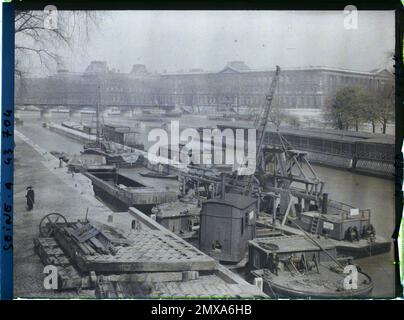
<point x="226" y="226"/>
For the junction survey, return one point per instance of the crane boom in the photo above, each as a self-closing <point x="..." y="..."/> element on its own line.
<point x="261" y="125"/>
<point x="263" y="121"/>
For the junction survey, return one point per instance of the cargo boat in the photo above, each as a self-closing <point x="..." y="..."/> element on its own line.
<point x="294" y="198"/>
<point x="122" y="191"/>
<point x="125" y="157"/>
<point x="295" y="266"/>
<point x="356" y="245"/>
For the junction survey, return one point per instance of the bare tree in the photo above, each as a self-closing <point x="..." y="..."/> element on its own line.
<point x="33" y="39"/>
<point x="277" y="117"/>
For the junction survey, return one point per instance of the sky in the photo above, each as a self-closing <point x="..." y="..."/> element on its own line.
<point x="182" y="40"/>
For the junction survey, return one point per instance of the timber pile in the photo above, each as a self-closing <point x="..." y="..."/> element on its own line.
<point x="68" y="277"/>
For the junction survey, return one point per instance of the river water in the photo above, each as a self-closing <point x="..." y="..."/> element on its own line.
<point x="358" y="190"/>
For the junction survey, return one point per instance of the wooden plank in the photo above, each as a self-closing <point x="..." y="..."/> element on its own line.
<point x="84" y="249"/>
<point x="90" y="249"/>
<point x="88" y="235"/>
<point x="84" y="232"/>
<point x="144" y="266"/>
<point x="98" y="245"/>
<point x="145" y="277"/>
<point x="69" y="279"/>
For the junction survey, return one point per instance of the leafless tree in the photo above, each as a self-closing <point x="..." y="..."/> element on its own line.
<point x="33" y="39"/>
<point x="277" y="116"/>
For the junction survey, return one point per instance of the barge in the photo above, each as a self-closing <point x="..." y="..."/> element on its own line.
<point x="121" y="191"/>
<point x="115" y="155"/>
<point x="294" y="198"/>
<point x="357" y="248"/>
<point x="141" y="260"/>
<point x="295" y="266"/>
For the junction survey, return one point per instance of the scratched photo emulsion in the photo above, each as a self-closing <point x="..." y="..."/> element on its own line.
<point x="242" y="154"/>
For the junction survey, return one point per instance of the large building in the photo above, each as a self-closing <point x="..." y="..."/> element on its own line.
<point x="236" y="85"/>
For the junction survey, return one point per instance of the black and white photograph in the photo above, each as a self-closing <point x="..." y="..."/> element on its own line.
<point x="204" y="154"/>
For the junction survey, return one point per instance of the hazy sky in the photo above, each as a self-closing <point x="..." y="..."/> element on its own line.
<point x="173" y="40"/>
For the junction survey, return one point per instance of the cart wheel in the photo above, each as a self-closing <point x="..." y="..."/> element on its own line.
<point x="49" y="223"/>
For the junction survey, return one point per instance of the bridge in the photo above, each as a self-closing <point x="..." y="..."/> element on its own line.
<point x="46" y="108"/>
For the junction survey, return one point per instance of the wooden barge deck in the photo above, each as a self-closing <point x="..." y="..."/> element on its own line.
<point x="145" y="261"/>
<point x="356" y="249"/>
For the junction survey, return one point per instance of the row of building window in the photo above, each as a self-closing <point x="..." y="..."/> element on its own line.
<point x="284" y="101"/>
<point x="287" y="84"/>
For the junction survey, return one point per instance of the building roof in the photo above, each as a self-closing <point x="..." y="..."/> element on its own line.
<point x="177" y="209"/>
<point x="231" y="67"/>
<point x="240" y="67"/>
<point x="341" y="135"/>
<point x="235" y="200"/>
<point x="329" y="134"/>
<point x="237" y="66"/>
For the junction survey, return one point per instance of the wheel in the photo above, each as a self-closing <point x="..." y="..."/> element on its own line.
<point x="49" y="223"/>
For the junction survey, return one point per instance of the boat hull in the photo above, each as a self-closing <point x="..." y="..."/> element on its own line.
<point x="285" y="286"/>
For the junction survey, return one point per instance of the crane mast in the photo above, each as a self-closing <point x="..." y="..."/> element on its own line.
<point x="261" y="125"/>
<point x="263" y="120"/>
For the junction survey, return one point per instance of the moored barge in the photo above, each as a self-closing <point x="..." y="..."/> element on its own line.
<point x="121" y="191"/>
<point x="295" y="266"/>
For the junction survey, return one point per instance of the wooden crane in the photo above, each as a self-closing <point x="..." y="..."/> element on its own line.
<point x="261" y="125"/>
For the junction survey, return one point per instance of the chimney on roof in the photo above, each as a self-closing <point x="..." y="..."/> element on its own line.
<point x="97" y="67"/>
<point x="139" y="69"/>
<point x="196" y="70"/>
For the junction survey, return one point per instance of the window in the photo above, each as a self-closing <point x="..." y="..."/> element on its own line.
<point x="216" y="246"/>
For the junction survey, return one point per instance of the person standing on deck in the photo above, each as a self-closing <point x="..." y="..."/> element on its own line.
<point x="30" y="198"/>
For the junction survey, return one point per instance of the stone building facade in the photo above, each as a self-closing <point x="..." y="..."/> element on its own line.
<point x="300" y="88"/>
<point x="235" y="86"/>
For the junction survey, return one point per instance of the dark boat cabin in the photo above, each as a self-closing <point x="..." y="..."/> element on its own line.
<point x="226" y="226"/>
